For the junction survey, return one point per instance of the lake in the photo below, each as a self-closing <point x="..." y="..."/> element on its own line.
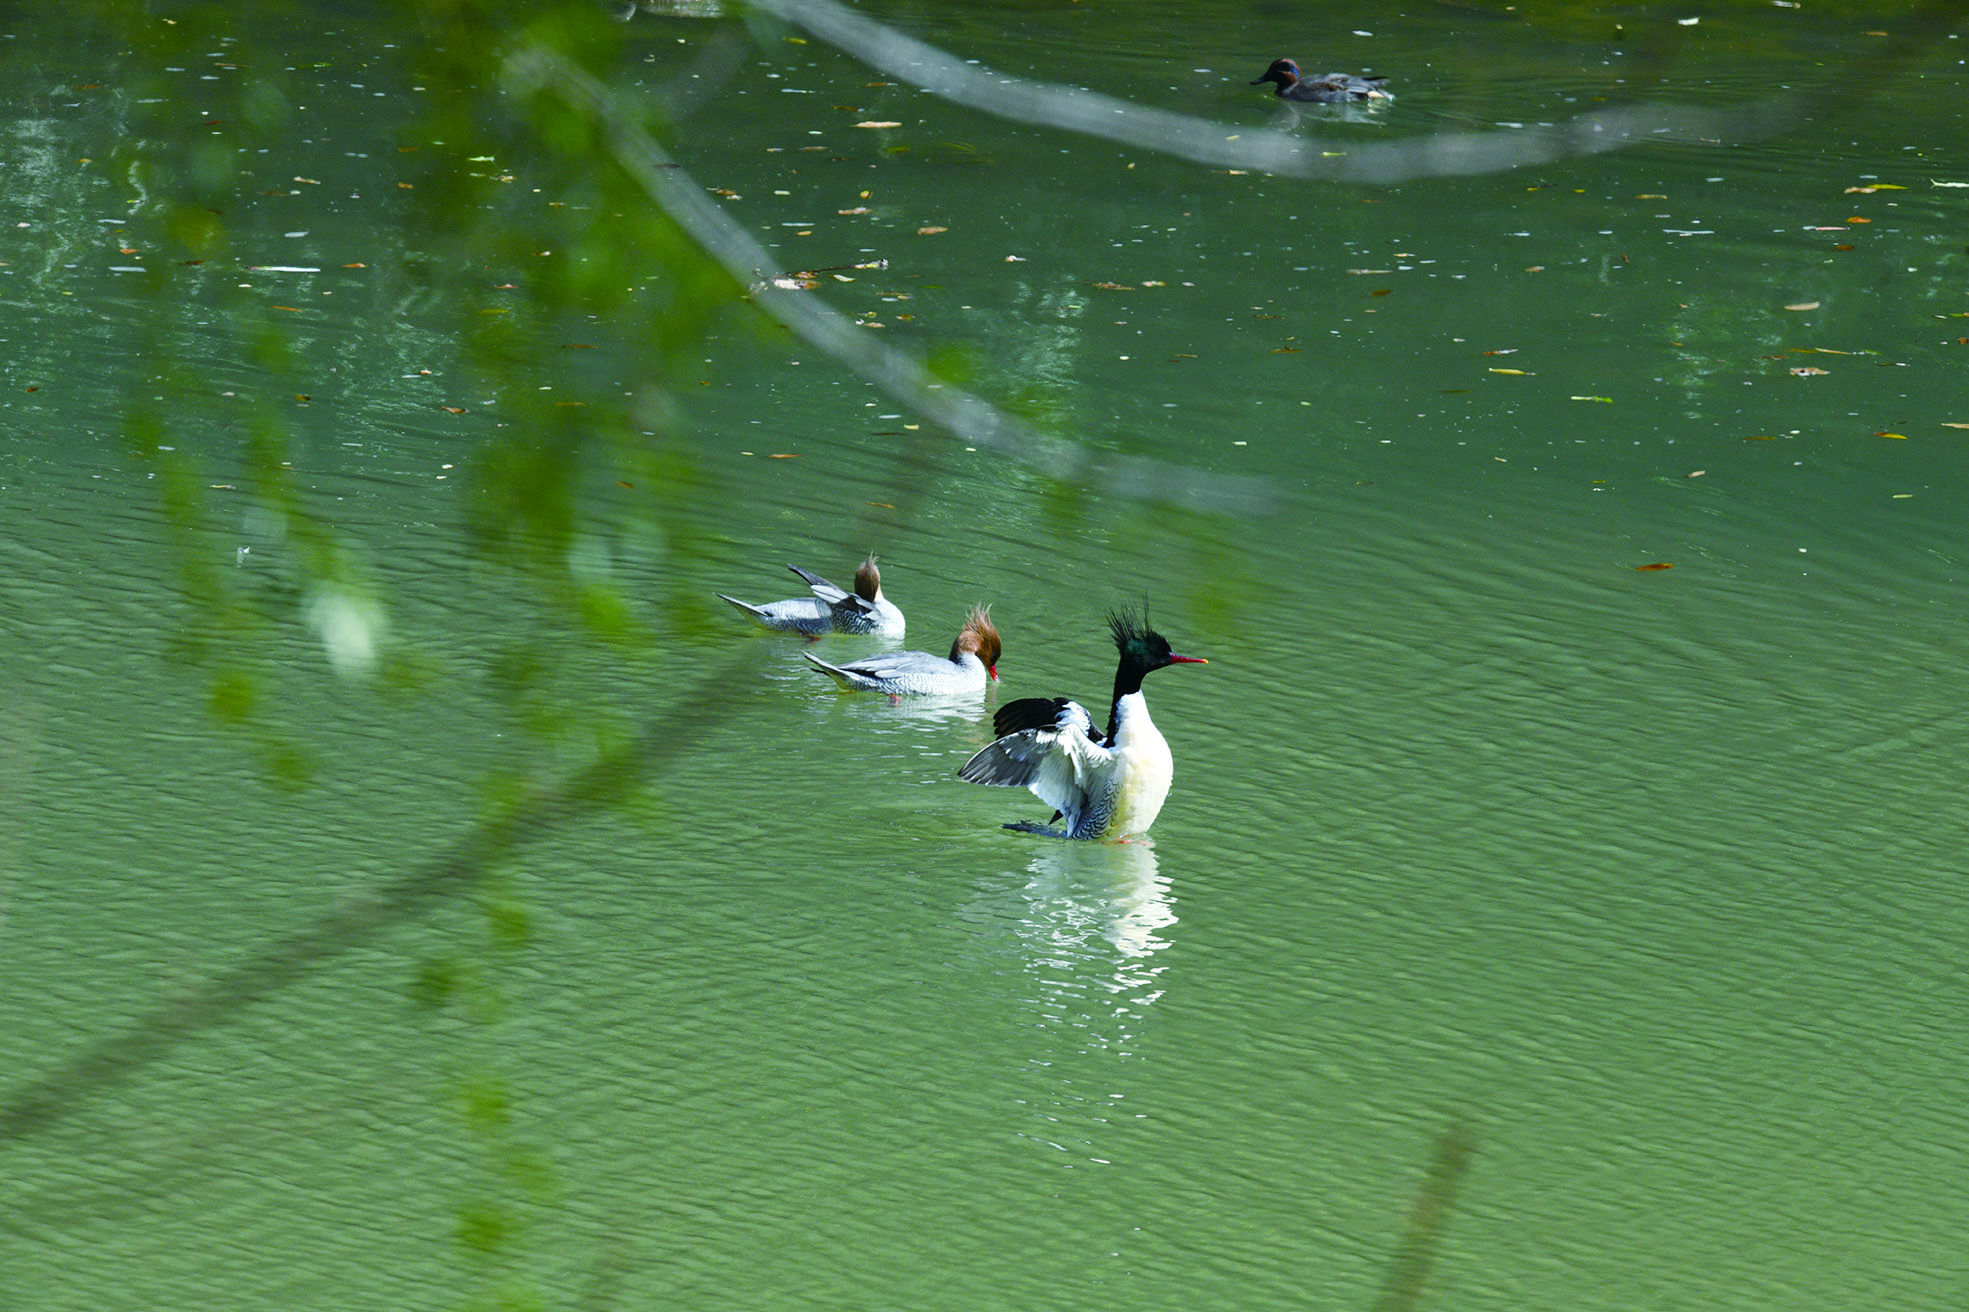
<point x="1559" y="903"/>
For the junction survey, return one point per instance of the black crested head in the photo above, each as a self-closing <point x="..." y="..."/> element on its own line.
<point x="1143" y="651"/>
<point x="1139" y="645"/>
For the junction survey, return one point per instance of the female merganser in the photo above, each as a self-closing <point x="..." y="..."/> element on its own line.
<point x="830" y="609"/>
<point x="1327" y="88"/>
<point x="1102" y="785"/>
<point x="973" y="659"/>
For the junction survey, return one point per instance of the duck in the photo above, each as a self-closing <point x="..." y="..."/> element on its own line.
<point x="1101" y="785"/>
<point x="1326" y="89"/>
<point x="972" y="663"/>
<point x="831" y="609"/>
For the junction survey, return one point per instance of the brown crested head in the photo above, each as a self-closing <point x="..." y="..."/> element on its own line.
<point x="980" y="638"/>
<point x="868" y="580"/>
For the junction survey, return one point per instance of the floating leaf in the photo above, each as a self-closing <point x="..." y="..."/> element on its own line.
<point x="1604" y="400"/>
<point x="1901" y="436"/>
<point x="1946" y="424"/>
<point x="930" y="231"/>
<point x="1654" y="565"/>
<point x="1803" y="305"/>
<point x="1382" y="291"/>
<point x="1519" y="372"/>
<point x="877" y="123"/>
<point x="1808" y="371"/>
<point x="1760" y="437"/>
<point x="783" y="455"/>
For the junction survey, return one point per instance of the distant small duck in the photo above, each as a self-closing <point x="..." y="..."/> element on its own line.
<point x="1100" y="785"/>
<point x="831" y="609"/>
<point x="973" y="660"/>
<point x="1326" y="89"/>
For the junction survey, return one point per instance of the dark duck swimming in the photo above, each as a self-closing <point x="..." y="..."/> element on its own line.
<point x="1323" y="89"/>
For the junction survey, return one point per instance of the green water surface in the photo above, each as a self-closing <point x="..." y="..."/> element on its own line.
<point x="1641" y="885"/>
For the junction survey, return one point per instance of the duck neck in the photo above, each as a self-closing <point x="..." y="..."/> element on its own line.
<point x="1127" y="682"/>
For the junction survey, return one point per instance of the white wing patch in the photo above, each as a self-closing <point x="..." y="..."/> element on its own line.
<point x="1061" y="767"/>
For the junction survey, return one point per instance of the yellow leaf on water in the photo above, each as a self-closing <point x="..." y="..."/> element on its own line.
<point x="1946" y="424"/>
<point x="872" y="123"/>
<point x="1803" y="305"/>
<point x="930" y="231"/>
<point x="1520" y="372"/>
<point x="1902" y="436"/>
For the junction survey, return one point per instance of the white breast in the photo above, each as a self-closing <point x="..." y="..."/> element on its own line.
<point x="1143" y="769"/>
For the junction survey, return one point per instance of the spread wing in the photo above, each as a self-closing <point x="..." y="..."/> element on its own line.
<point x="1044" y="713"/>
<point x="1057" y="761"/>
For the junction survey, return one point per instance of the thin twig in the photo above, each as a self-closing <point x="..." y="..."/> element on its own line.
<point x="48" y="1098"/>
<point x="1226" y="145"/>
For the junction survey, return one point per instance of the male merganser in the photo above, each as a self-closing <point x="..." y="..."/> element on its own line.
<point x="831" y="609"/>
<point x="973" y="659"/>
<point x="1102" y="785"/>
<point x="1327" y="88"/>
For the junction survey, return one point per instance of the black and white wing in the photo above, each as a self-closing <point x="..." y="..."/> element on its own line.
<point x="842" y="602"/>
<point x="1047" y="745"/>
<point x="1044" y="713"/>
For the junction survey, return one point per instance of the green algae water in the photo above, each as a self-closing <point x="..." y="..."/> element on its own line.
<point x="1572" y="796"/>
